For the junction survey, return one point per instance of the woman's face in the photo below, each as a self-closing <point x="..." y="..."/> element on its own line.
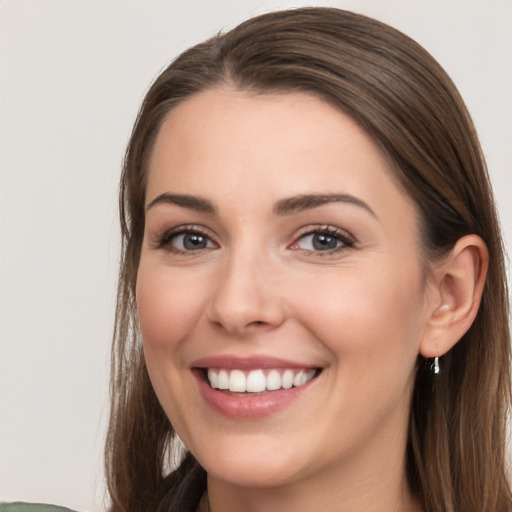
<point x="277" y="250"/>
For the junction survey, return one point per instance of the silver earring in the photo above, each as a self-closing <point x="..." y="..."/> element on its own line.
<point x="436" y="365"/>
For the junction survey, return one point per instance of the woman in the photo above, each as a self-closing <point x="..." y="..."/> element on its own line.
<point x="312" y="292"/>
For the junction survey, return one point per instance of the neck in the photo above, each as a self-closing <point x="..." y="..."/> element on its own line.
<point x="370" y="490"/>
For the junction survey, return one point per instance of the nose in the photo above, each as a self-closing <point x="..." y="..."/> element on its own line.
<point x="246" y="297"/>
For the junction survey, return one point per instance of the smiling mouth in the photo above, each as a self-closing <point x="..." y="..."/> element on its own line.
<point x="258" y="380"/>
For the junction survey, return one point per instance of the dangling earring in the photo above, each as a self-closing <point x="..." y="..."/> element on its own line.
<point x="434" y="364"/>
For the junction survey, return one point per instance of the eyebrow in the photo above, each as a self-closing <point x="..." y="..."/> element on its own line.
<point x="287" y="206"/>
<point x="305" y="202"/>
<point x="199" y="204"/>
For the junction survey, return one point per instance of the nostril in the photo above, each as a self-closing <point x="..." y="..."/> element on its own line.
<point x="256" y="325"/>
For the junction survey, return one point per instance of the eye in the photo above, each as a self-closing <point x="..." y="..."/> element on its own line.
<point x="188" y="239"/>
<point x="191" y="241"/>
<point x="325" y="239"/>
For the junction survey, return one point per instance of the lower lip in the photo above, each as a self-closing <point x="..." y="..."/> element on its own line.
<point x="247" y="407"/>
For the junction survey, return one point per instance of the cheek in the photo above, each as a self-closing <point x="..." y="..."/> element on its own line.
<point x="169" y="306"/>
<point x="165" y="308"/>
<point x="168" y="310"/>
<point x="371" y="324"/>
<point x="366" y="312"/>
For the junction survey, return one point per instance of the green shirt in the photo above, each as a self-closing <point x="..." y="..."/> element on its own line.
<point x="31" y="507"/>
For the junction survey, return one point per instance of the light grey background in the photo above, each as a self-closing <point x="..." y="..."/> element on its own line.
<point x="72" y="75"/>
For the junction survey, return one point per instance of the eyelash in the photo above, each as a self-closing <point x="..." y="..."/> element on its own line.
<point x="345" y="240"/>
<point x="165" y="241"/>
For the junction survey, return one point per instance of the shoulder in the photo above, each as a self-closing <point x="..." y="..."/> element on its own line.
<point x="31" y="507"/>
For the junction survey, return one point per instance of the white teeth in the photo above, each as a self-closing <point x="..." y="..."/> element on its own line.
<point x="273" y="380"/>
<point x="297" y="380"/>
<point x="287" y="379"/>
<point x="237" y="381"/>
<point x="309" y="375"/>
<point x="255" y="381"/>
<point x="213" y="377"/>
<point x="223" y="382"/>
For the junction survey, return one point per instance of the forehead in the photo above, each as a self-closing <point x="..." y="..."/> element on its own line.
<point x="288" y="143"/>
<point x="245" y="114"/>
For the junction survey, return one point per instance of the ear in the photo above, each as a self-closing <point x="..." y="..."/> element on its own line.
<point x="455" y="295"/>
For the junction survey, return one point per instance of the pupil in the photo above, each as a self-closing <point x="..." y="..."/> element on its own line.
<point x="194" y="241"/>
<point x="322" y="242"/>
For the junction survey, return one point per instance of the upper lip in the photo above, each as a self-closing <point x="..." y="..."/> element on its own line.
<point x="229" y="362"/>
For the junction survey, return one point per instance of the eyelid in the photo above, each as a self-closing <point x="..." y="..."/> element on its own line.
<point x="348" y="240"/>
<point x="163" y="238"/>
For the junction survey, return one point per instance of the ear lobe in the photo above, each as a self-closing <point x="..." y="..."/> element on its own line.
<point x="459" y="283"/>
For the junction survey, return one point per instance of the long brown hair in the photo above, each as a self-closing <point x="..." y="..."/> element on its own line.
<point x="405" y="101"/>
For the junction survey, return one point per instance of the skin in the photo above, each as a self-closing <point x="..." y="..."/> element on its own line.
<point x="362" y="312"/>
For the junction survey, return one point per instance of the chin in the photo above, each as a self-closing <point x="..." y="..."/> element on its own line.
<point x="257" y="464"/>
<point x="253" y="474"/>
